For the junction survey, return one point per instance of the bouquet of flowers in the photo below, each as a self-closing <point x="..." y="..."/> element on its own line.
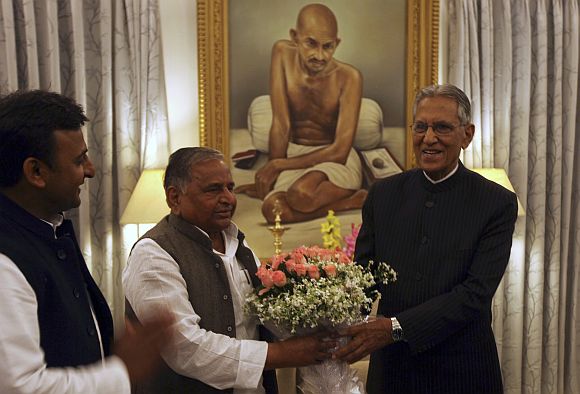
<point x="313" y="288"/>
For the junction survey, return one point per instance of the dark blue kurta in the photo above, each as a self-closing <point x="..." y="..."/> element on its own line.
<point x="449" y="243"/>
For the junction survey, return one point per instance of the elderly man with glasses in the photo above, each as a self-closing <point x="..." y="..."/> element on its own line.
<point x="447" y="231"/>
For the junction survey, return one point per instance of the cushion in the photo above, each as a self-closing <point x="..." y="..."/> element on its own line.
<point x="368" y="134"/>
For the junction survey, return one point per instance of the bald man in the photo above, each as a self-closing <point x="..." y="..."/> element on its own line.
<point x="316" y="100"/>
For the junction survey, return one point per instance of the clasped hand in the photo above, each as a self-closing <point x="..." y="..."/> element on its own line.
<point x="300" y="351"/>
<point x="365" y="338"/>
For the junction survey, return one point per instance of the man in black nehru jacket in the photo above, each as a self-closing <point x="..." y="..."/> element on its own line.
<point x="447" y="231"/>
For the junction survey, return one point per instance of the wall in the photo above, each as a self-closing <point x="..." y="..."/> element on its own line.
<point x="179" y="37"/>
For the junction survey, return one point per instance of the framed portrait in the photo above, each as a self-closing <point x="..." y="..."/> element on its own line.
<point x="392" y="43"/>
<point x="417" y="31"/>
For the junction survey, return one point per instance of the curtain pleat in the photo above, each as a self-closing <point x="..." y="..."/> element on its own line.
<point x="518" y="61"/>
<point x="8" y="67"/>
<point x="106" y="54"/>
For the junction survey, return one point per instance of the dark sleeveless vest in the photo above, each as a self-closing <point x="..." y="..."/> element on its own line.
<point x="209" y="293"/>
<point x="56" y="271"/>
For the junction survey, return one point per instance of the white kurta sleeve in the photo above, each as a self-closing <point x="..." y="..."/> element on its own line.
<point x="22" y="365"/>
<point x="152" y="280"/>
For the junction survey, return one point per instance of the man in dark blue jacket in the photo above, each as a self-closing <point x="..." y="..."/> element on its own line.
<point x="53" y="315"/>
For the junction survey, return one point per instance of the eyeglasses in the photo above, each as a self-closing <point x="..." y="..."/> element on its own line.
<point x="439" y="128"/>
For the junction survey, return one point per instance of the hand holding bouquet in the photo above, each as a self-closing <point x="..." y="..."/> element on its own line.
<point x="314" y="288"/>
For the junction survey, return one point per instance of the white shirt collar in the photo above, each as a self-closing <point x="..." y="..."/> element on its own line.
<point x="54" y="224"/>
<point x="230" y="231"/>
<point x="444" y="178"/>
<point x="230" y="235"/>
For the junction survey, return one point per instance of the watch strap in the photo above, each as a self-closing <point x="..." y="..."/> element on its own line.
<point x="397" y="330"/>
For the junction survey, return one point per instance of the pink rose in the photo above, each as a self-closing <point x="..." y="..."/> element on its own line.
<point x="275" y="261"/>
<point x="290" y="265"/>
<point x="330" y="270"/>
<point x="300" y="269"/>
<point x="344" y="259"/>
<point x="313" y="272"/>
<point x="298" y="257"/>
<point x="279" y="278"/>
<point x="265" y="276"/>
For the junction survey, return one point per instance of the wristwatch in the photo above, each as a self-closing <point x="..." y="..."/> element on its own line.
<point x="397" y="331"/>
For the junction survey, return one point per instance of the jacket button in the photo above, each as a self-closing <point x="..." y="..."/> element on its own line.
<point x="418" y="276"/>
<point x="230" y="329"/>
<point x="217" y="266"/>
<point x="430" y="204"/>
<point x="76" y="293"/>
<point x="61" y="254"/>
<point x="424" y="240"/>
<point x="91" y="331"/>
<point x="225" y="297"/>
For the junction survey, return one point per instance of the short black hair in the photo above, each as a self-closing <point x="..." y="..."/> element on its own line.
<point x="178" y="171"/>
<point x="28" y="120"/>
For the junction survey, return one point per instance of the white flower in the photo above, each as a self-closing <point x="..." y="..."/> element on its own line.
<point x="314" y="293"/>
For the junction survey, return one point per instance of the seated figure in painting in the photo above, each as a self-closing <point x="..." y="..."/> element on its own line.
<point x="315" y="99"/>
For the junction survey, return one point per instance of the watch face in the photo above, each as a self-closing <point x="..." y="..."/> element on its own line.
<point x="397" y="334"/>
<point x="397" y="330"/>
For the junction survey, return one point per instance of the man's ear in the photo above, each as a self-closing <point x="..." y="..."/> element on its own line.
<point x="35" y="172"/>
<point x="173" y="198"/>
<point x="337" y="42"/>
<point x="468" y="137"/>
<point x="294" y="36"/>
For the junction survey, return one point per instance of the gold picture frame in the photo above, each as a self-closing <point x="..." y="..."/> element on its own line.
<point x="421" y="66"/>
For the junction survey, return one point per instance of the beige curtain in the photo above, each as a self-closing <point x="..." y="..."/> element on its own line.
<point x="107" y="55"/>
<point x="518" y="60"/>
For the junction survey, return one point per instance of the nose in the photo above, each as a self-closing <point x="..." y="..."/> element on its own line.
<point x="319" y="53"/>
<point x="228" y="196"/>
<point x="430" y="136"/>
<point x="89" y="168"/>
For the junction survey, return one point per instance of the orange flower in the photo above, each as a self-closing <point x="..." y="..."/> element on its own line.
<point x="265" y="276"/>
<point x="300" y="269"/>
<point x="330" y="270"/>
<point x="279" y="278"/>
<point x="313" y="272"/>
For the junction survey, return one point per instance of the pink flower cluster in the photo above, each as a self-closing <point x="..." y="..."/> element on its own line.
<point x="350" y="240"/>
<point x="304" y="262"/>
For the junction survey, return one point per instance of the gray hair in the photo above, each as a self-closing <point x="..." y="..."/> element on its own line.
<point x="447" y="90"/>
<point x="178" y="171"/>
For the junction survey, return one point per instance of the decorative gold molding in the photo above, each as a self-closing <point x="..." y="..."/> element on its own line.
<point x="212" y="26"/>
<point x="212" y="41"/>
<point x="422" y="56"/>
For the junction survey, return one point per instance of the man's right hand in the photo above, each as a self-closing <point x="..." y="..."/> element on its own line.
<point x="300" y="351"/>
<point x="140" y="346"/>
<point x="266" y="177"/>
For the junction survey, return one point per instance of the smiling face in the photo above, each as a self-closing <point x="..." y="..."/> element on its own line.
<point x="70" y="166"/>
<point x="209" y="201"/>
<point x="436" y="154"/>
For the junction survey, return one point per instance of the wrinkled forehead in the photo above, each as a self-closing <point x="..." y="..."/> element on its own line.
<point x="211" y="171"/>
<point x="437" y="107"/>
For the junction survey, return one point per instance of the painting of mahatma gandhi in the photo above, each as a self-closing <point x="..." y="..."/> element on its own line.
<point x="371" y="41"/>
